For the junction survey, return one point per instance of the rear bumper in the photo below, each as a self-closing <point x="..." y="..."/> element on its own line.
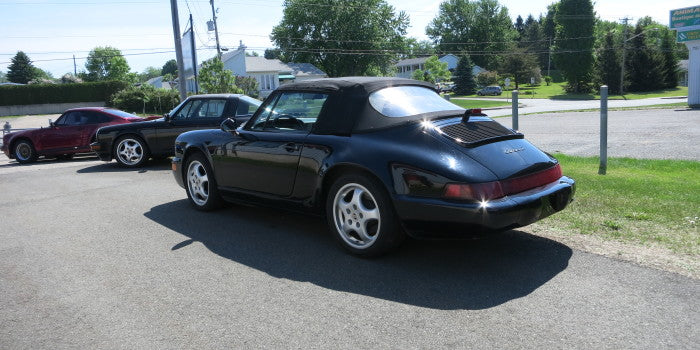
<point x="429" y="217"/>
<point x="102" y="150"/>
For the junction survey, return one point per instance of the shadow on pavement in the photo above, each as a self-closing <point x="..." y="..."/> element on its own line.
<point x="113" y="167"/>
<point x="442" y="275"/>
<point x="42" y="160"/>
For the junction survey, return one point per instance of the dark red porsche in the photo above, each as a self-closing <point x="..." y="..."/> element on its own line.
<point x="71" y="133"/>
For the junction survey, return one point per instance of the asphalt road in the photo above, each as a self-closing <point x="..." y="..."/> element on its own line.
<point x="94" y="256"/>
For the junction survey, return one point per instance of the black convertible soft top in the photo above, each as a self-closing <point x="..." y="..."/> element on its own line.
<point x="347" y="108"/>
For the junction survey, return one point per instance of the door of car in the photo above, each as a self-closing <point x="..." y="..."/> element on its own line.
<point x="195" y="114"/>
<point x="93" y="120"/>
<point x="65" y="134"/>
<point x="266" y="156"/>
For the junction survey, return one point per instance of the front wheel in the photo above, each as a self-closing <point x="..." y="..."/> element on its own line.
<point x="25" y="152"/>
<point x="130" y="151"/>
<point x="200" y="184"/>
<point x="361" y="216"/>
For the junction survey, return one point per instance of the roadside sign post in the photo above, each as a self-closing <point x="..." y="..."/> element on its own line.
<point x="603" y="130"/>
<point x="515" y="110"/>
<point x="686" y="23"/>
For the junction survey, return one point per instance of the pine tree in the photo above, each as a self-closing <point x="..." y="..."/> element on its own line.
<point x="668" y="51"/>
<point x="644" y="66"/>
<point x="608" y="64"/>
<point x="465" y="84"/>
<point x="574" y="42"/>
<point x="21" y="69"/>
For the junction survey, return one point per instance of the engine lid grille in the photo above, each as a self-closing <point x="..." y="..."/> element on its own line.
<point x="475" y="133"/>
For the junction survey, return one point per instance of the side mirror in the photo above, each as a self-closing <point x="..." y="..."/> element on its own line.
<point x="51" y="124"/>
<point x="229" y="125"/>
<point x="167" y="118"/>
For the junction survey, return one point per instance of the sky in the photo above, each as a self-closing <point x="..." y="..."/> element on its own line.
<point x="51" y="32"/>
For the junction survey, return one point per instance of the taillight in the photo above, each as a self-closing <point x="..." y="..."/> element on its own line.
<point x="497" y="189"/>
<point x="477" y="192"/>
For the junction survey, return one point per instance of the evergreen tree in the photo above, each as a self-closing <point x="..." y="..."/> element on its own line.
<point x="519" y="27"/>
<point x="608" y="64"/>
<point x="465" y="84"/>
<point x="521" y="66"/>
<point x="644" y="66"/>
<point x="668" y="46"/>
<point x="21" y="69"/>
<point x="169" y="67"/>
<point x="575" y="21"/>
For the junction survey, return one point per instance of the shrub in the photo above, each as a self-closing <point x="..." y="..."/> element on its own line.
<point x="487" y="78"/>
<point x="145" y="99"/>
<point x="58" y="93"/>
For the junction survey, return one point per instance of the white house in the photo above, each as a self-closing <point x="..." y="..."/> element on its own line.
<point x="405" y="68"/>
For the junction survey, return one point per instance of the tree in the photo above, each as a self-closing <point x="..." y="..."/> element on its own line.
<point x="481" y="28"/>
<point x="169" y="67"/>
<point x="106" y="63"/>
<point x="21" y="69"/>
<point x="521" y="66"/>
<point x="70" y="78"/>
<point x="519" y="26"/>
<point x="607" y="66"/>
<point x="272" y="54"/>
<point x="435" y="70"/>
<point x="3" y="78"/>
<point x="414" y="48"/>
<point x="573" y="52"/>
<point x="214" y="79"/>
<point x="465" y="84"/>
<point x="148" y="73"/>
<point x="249" y="85"/>
<point x="644" y="66"/>
<point x="341" y="37"/>
<point x="668" y="51"/>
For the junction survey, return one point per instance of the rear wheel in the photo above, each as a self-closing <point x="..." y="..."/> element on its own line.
<point x="200" y="184"/>
<point x="361" y="217"/>
<point x="24" y="152"/>
<point x="130" y="151"/>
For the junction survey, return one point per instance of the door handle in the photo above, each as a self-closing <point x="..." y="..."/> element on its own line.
<point x="291" y="147"/>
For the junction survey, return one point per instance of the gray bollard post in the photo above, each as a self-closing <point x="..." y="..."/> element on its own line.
<point x="515" y="110"/>
<point x="603" y="130"/>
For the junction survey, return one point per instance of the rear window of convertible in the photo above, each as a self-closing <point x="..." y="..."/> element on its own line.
<point x="404" y="101"/>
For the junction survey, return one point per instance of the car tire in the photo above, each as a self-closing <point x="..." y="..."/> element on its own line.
<point x="200" y="184"/>
<point x="361" y="216"/>
<point x="24" y="152"/>
<point x="130" y="151"/>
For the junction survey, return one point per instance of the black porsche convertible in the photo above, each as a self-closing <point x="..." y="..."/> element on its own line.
<point x="380" y="157"/>
<point x="132" y="145"/>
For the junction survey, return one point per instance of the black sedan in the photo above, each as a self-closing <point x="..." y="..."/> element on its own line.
<point x="132" y="145"/>
<point x="380" y="157"/>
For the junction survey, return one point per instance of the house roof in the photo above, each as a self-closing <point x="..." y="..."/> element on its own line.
<point x="304" y="69"/>
<point x="261" y="64"/>
<point x="412" y="61"/>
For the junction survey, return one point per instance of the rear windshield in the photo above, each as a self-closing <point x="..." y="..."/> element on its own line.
<point x="404" y="101"/>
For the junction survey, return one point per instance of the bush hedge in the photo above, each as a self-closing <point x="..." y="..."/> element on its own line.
<point x="145" y="99"/>
<point x="11" y="95"/>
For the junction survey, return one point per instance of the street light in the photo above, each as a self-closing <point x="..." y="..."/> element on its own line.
<point x="624" y="50"/>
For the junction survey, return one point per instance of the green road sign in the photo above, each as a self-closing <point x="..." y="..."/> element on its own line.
<point x="687" y="17"/>
<point x="688" y="36"/>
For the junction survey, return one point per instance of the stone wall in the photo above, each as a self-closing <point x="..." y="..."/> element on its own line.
<point x="50" y="108"/>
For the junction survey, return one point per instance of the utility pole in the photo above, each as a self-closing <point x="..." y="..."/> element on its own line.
<point x="178" y="51"/>
<point x="194" y="57"/>
<point x="624" y="52"/>
<point x="216" y="29"/>
<point x="75" y="68"/>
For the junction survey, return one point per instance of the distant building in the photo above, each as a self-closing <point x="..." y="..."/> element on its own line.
<point x="270" y="73"/>
<point x="158" y="83"/>
<point x="405" y="68"/>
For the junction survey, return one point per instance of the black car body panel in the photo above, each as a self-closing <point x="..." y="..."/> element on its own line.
<point x="413" y="158"/>
<point x="160" y="134"/>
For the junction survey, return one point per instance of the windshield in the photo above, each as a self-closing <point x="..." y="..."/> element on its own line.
<point x="404" y="101"/>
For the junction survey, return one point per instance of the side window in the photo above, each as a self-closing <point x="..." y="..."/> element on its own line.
<point x="95" y="118"/>
<point x="70" y="118"/>
<point x="213" y="109"/>
<point x="188" y="110"/>
<point x="293" y="111"/>
<point x="245" y="108"/>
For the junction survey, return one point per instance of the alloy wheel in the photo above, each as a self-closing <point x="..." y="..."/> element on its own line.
<point x="356" y="216"/>
<point x="198" y="182"/>
<point x="130" y="152"/>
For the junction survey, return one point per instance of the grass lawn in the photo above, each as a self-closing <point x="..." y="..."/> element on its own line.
<point x="556" y="91"/>
<point x="479" y="104"/>
<point x="639" y="201"/>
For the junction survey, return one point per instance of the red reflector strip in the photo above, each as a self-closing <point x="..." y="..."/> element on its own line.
<point x="524" y="183"/>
